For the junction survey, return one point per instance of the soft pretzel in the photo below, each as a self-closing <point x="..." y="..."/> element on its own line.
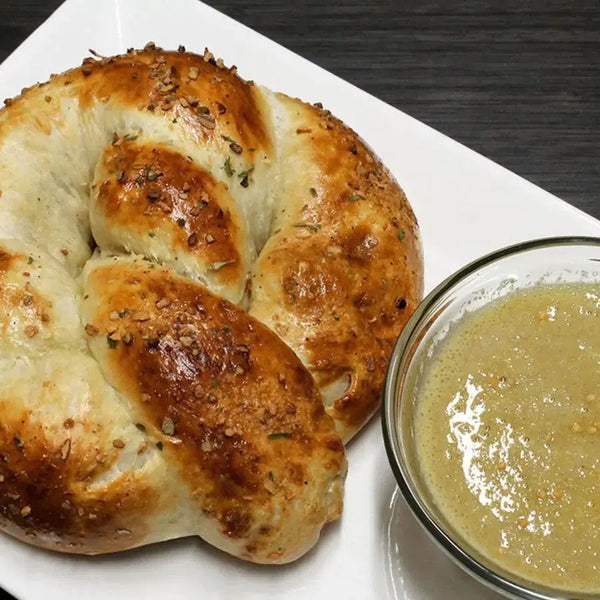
<point x="200" y="284"/>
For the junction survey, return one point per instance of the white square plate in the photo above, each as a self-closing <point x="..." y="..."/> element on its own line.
<point x="466" y="206"/>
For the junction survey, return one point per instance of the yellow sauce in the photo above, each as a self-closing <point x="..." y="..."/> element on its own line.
<point x="507" y="428"/>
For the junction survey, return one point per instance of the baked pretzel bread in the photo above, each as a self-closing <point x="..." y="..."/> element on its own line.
<point x="200" y="285"/>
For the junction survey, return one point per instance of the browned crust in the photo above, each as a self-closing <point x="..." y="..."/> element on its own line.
<point x="45" y="497"/>
<point x="155" y="191"/>
<point x="349" y="266"/>
<point x="230" y="402"/>
<point x="6" y="261"/>
<point x="206" y="98"/>
<point x="34" y="308"/>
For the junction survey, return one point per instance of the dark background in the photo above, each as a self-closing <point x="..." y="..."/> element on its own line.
<point x="517" y="81"/>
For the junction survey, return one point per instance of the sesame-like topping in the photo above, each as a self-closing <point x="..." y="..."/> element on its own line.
<point x="163" y="303"/>
<point x="141" y="315"/>
<point x="206" y="120"/>
<point x="186" y="341"/>
<point x="31" y="330"/>
<point x="65" y="450"/>
<point x="168" y="426"/>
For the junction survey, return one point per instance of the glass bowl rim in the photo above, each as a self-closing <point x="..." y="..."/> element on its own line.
<point x="391" y="439"/>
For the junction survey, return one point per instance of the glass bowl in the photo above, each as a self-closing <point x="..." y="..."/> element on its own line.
<point x="550" y="260"/>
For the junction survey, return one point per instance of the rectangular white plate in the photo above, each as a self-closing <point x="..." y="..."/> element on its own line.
<point x="466" y="206"/>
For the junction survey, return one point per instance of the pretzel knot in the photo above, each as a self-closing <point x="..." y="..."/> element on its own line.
<point x="200" y="284"/>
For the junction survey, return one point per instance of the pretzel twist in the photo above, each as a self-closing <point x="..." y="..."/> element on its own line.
<point x="200" y="284"/>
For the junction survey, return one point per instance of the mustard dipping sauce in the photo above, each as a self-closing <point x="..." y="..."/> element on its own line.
<point x="507" y="433"/>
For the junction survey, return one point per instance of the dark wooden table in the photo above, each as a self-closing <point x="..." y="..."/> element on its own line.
<point x="516" y="80"/>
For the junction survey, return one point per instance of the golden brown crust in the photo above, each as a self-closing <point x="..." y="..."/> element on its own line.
<point x="227" y="400"/>
<point x="154" y="191"/>
<point x="212" y="101"/>
<point x="45" y="497"/>
<point x="209" y="100"/>
<point x="6" y="260"/>
<point x="344" y="271"/>
<point x="33" y="307"/>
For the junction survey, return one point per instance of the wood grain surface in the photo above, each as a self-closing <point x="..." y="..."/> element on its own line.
<point x="517" y="80"/>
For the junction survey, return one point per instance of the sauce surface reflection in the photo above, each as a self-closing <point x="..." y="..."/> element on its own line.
<point x="507" y="430"/>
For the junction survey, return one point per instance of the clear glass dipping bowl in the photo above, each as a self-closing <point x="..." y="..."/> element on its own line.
<point x="551" y="260"/>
